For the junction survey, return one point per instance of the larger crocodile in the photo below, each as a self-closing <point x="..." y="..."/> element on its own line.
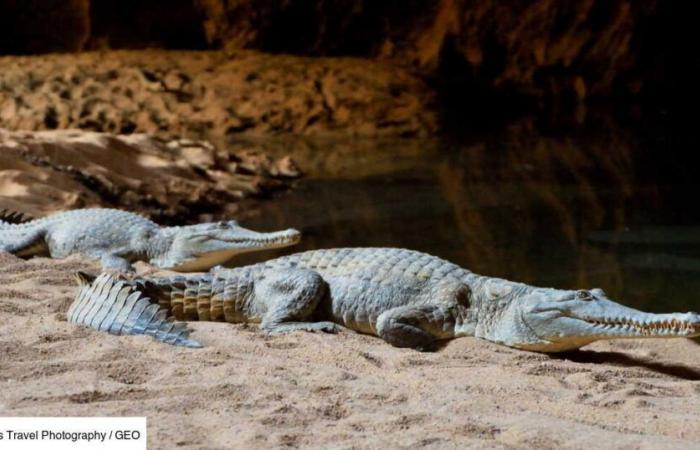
<point x="118" y="238"/>
<point x="407" y="298"/>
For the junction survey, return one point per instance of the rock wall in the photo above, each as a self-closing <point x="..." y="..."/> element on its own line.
<point x="541" y="49"/>
<point x="212" y="95"/>
<point x="178" y="180"/>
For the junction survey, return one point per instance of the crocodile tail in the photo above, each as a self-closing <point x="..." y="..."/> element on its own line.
<point x="9" y="217"/>
<point x="185" y="297"/>
<point x="116" y="306"/>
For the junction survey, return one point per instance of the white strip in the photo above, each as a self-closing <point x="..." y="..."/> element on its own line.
<point x="59" y="433"/>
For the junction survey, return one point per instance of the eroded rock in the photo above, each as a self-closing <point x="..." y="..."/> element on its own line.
<point x="47" y="171"/>
<point x="543" y="48"/>
<point x="209" y="95"/>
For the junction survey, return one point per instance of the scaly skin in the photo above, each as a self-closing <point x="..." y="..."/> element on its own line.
<point x="407" y="298"/>
<point x="118" y="238"/>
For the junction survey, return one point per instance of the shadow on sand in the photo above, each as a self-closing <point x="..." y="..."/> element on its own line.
<point x="621" y="359"/>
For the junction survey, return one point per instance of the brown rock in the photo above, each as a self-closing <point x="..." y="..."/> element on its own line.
<point x="212" y="95"/>
<point x="42" y="172"/>
<point x="536" y="48"/>
<point x="530" y="48"/>
<point x="198" y="156"/>
<point x="285" y="167"/>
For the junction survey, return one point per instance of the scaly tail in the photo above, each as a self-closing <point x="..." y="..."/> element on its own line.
<point x="107" y="304"/>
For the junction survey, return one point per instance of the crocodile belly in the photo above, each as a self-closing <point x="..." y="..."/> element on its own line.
<point x="356" y="302"/>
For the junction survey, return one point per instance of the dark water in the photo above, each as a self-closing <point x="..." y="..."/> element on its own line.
<point x="617" y="211"/>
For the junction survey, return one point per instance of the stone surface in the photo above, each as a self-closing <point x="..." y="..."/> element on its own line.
<point x="212" y="95"/>
<point x="541" y="49"/>
<point x="43" y="172"/>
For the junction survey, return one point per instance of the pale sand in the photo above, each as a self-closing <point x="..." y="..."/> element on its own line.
<point x="248" y="390"/>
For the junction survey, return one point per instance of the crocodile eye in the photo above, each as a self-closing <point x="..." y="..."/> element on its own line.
<point x="222" y="225"/>
<point x="584" y="295"/>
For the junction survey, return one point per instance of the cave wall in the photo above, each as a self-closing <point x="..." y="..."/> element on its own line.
<point x="40" y="26"/>
<point x="43" y="26"/>
<point x="146" y="23"/>
<point x="577" y="48"/>
<point x="541" y="49"/>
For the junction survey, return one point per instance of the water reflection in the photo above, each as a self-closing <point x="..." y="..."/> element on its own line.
<point x="549" y="210"/>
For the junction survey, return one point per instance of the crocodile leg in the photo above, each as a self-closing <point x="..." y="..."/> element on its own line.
<point x="416" y="326"/>
<point x="115" y="262"/>
<point x="291" y="297"/>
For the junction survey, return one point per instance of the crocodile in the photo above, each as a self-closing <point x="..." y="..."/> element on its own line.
<point x="118" y="238"/>
<point x="407" y="298"/>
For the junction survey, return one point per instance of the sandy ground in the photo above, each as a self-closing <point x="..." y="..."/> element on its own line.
<point x="249" y="390"/>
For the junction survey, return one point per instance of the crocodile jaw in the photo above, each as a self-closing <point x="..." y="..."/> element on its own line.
<point x="211" y="258"/>
<point x="591" y="330"/>
<point x="201" y="247"/>
<point x="647" y="326"/>
<point x="568" y="323"/>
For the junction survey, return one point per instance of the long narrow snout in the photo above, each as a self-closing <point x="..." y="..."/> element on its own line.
<point x="256" y="241"/>
<point x="198" y="248"/>
<point x="645" y="325"/>
<point x="565" y="320"/>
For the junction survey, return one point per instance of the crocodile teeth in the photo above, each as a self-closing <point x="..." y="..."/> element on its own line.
<point x="645" y="327"/>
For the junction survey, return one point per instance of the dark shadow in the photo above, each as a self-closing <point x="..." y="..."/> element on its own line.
<point x="146" y="23"/>
<point x="465" y="97"/>
<point x="621" y="359"/>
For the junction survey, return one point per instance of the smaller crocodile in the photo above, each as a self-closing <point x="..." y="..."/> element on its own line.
<point x="408" y="298"/>
<point x="119" y="238"/>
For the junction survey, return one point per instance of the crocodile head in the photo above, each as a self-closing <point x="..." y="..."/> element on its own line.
<point x="200" y="247"/>
<point x="551" y="320"/>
